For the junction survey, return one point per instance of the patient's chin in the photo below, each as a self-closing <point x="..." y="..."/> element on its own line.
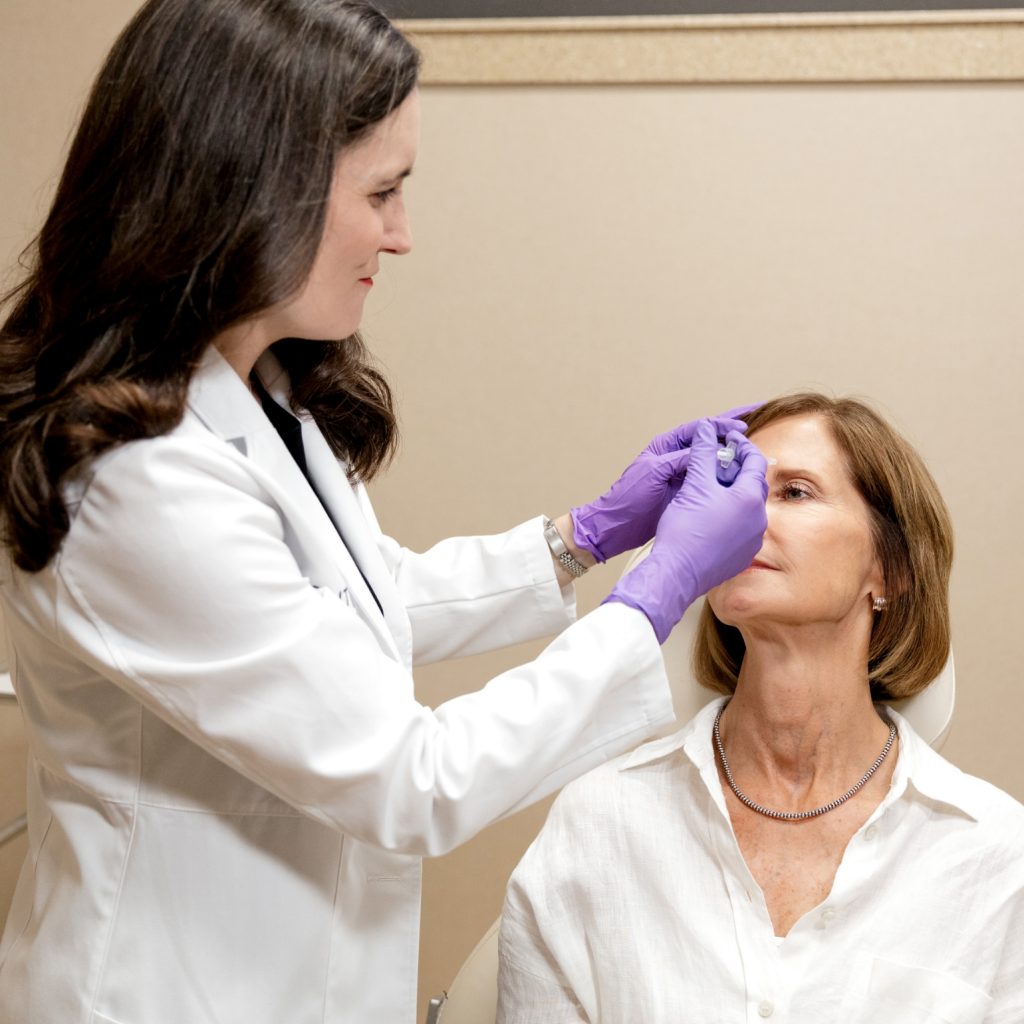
<point x="737" y="600"/>
<point x="729" y="614"/>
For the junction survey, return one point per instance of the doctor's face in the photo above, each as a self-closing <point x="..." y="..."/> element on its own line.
<point x="817" y="564"/>
<point x="365" y="217"/>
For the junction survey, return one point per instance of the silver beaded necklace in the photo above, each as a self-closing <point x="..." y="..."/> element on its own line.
<point x="796" y="815"/>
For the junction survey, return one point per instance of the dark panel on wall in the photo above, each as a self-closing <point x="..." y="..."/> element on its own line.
<point x="589" y="8"/>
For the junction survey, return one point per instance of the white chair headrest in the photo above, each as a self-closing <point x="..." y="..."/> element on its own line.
<point x="6" y="687"/>
<point x="930" y="712"/>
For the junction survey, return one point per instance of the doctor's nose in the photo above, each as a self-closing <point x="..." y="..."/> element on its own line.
<point x="397" y="234"/>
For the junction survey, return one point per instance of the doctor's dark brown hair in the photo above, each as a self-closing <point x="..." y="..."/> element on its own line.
<point x="193" y="198"/>
<point x="913" y="539"/>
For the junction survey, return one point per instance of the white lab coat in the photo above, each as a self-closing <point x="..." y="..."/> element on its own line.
<point x="231" y="783"/>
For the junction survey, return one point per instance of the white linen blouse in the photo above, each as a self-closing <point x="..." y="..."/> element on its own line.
<point x="635" y="904"/>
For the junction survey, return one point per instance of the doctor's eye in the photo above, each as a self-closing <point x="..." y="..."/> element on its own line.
<point x="380" y="198"/>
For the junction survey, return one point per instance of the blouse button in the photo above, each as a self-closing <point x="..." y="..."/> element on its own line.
<point x="766" y="1009"/>
<point x="828" y="915"/>
<point x="870" y="833"/>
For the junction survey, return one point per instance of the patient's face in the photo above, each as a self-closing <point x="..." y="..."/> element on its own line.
<point x="817" y="564"/>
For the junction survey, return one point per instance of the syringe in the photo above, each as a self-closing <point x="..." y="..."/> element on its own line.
<point x="726" y="474"/>
<point x="726" y="455"/>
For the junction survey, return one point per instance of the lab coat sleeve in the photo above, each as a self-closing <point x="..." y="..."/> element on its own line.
<point x="176" y="583"/>
<point x="470" y="594"/>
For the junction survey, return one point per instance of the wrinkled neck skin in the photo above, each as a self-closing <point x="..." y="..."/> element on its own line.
<point x="802" y="721"/>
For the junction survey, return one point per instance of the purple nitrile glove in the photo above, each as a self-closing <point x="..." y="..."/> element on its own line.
<point x="709" y="532"/>
<point x="627" y="515"/>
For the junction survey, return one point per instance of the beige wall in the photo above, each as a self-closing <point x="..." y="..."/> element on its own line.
<point x="594" y="263"/>
<point x="12" y="798"/>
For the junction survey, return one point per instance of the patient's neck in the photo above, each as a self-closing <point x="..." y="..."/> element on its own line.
<point x="802" y="712"/>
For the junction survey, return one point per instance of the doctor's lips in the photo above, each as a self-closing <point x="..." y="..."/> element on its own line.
<point x="368" y="281"/>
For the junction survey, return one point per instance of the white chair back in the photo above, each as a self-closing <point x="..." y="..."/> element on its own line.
<point x="472" y="997"/>
<point x="6" y="688"/>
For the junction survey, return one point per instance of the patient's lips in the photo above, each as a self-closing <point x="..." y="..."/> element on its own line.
<point x="760" y="564"/>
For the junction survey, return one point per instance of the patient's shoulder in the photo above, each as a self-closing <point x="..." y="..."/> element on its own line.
<point x="999" y="834"/>
<point x="998" y="817"/>
<point x="599" y="822"/>
<point x="596" y="792"/>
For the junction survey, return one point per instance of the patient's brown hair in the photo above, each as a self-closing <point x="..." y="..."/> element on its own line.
<point x="913" y="539"/>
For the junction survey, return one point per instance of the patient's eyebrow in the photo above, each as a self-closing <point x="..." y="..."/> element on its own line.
<point x="782" y="470"/>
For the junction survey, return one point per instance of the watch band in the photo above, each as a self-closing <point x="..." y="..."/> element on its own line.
<point x="572" y="565"/>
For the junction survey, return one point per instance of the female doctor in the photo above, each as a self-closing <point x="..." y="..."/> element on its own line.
<point x="231" y="783"/>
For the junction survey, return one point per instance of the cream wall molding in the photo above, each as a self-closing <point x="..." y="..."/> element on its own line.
<point x="934" y="46"/>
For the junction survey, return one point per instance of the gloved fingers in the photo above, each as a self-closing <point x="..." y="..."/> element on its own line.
<point x="671" y="441"/>
<point x="751" y="462"/>
<point x="682" y="435"/>
<point x="746" y="449"/>
<point x="670" y="467"/>
<point x="703" y="448"/>
<point x="725" y="426"/>
<point x="734" y="419"/>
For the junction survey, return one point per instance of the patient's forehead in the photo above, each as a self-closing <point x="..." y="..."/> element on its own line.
<point x="805" y="444"/>
<point x="807" y="436"/>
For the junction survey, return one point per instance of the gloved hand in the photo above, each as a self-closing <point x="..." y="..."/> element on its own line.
<point x="709" y="532"/>
<point x="626" y="516"/>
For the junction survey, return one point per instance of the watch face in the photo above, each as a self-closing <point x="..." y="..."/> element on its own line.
<point x="554" y="539"/>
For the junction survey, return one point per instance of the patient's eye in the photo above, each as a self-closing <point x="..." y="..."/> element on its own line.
<point x="794" y="490"/>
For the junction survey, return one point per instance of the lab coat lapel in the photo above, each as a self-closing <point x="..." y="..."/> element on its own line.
<point x="338" y="497"/>
<point x="224" y="404"/>
<point x="341" y="502"/>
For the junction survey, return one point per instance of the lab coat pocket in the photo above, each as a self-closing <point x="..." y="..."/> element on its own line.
<point x="377" y="927"/>
<point x="917" y="995"/>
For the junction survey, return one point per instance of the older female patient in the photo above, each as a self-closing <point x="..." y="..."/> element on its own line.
<point x="796" y="851"/>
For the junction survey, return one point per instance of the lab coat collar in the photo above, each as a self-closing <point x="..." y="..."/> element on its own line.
<point x="919" y="771"/>
<point x="221" y="400"/>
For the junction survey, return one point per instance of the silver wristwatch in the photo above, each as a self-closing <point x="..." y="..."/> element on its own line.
<point x="572" y="565"/>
